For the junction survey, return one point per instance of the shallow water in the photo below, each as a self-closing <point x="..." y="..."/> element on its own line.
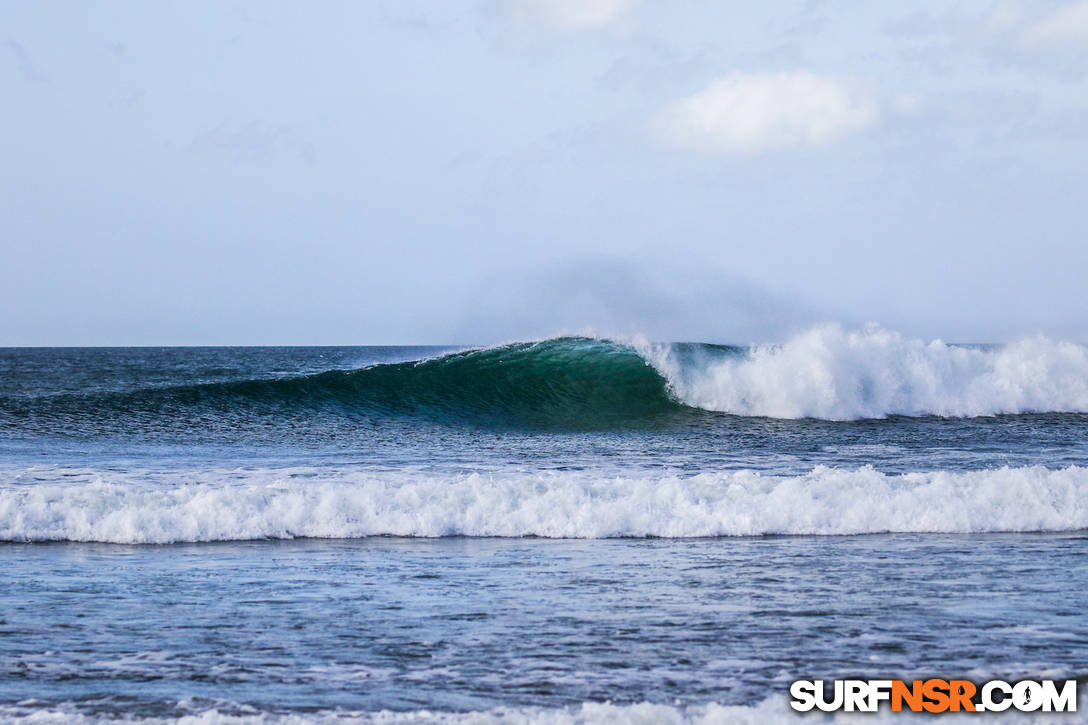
<point x="472" y="624"/>
<point x="258" y="499"/>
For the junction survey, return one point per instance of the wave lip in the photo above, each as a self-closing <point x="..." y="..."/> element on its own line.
<point x="282" y="504"/>
<point x="569" y="382"/>
<point x="580" y="383"/>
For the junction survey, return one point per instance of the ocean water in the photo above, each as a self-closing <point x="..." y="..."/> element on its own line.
<point x="566" y="530"/>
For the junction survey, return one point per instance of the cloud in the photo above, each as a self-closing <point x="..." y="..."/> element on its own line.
<point x="570" y="14"/>
<point x="753" y="112"/>
<point x="1063" y="27"/>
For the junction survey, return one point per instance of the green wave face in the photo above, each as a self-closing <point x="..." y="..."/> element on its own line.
<point x="563" y="383"/>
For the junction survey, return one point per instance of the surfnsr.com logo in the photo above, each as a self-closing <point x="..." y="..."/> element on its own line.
<point x="934" y="695"/>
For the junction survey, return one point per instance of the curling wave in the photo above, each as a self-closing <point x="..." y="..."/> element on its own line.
<point x="585" y="383"/>
<point x="563" y="382"/>
<point x="245" y="504"/>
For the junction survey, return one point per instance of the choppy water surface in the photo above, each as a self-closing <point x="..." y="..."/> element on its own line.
<point x="218" y="532"/>
<point x="476" y="624"/>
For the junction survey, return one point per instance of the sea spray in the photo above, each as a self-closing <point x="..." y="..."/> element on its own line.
<point x="834" y="374"/>
<point x="579" y="383"/>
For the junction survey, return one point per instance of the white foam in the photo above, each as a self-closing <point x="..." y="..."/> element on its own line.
<point x="216" y="505"/>
<point x="833" y="374"/>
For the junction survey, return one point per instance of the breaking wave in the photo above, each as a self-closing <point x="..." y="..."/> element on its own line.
<point x="586" y="383"/>
<point x="247" y="504"/>
<point x="837" y="375"/>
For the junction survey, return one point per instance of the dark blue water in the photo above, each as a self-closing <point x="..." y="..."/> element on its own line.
<point x="221" y="532"/>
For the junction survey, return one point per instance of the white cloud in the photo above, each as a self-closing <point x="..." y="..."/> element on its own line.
<point x="1063" y="27"/>
<point x="571" y="14"/>
<point x="752" y="112"/>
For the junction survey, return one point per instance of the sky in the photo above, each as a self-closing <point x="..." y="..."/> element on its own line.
<point x="476" y="171"/>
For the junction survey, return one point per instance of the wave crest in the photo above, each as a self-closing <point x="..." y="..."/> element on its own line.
<point x="558" y="383"/>
<point x="599" y="384"/>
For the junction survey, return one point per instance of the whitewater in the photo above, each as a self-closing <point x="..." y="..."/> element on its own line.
<point x="231" y="505"/>
<point x="826" y="373"/>
<point x="569" y="530"/>
<point x="834" y="374"/>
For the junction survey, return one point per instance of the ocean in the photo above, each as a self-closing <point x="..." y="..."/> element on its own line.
<point x="574" y="529"/>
